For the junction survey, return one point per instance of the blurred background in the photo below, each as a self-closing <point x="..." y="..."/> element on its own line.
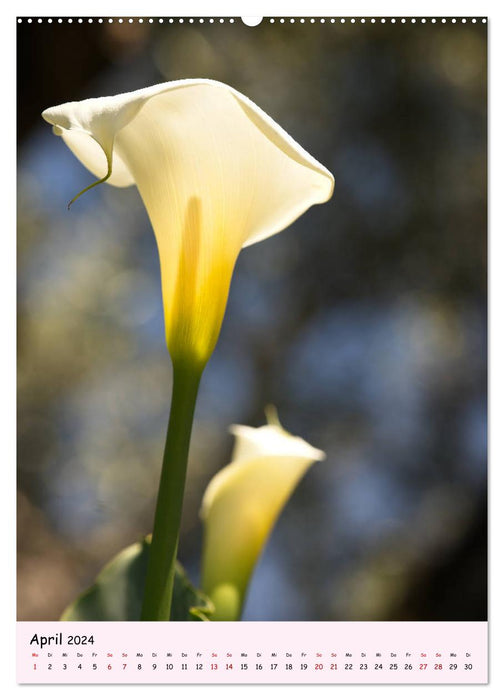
<point x="364" y="322"/>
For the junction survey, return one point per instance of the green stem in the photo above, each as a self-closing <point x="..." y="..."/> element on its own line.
<point x="163" y="550"/>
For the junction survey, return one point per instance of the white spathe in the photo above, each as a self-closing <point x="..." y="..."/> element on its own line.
<point x="215" y="173"/>
<point x="241" y="505"/>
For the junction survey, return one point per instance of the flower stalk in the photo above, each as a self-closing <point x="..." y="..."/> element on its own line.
<point x="163" y="552"/>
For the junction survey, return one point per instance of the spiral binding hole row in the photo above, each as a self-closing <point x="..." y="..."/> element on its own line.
<point x="272" y="20"/>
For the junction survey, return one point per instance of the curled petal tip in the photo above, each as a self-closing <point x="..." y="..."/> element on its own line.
<point x="272" y="415"/>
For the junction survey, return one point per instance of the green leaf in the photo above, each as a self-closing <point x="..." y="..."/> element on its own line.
<point x="118" y="590"/>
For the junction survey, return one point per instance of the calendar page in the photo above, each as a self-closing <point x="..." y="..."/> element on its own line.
<point x="252" y="365"/>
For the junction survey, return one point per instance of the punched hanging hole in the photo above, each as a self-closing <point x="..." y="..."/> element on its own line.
<point x="252" y="21"/>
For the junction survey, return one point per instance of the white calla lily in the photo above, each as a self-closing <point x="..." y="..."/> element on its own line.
<point x="241" y="505"/>
<point x="215" y="174"/>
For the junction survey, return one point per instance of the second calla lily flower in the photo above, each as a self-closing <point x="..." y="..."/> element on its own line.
<point x="215" y="174"/>
<point x="241" y="505"/>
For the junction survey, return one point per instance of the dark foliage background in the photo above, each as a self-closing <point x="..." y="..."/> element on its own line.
<point x="364" y="323"/>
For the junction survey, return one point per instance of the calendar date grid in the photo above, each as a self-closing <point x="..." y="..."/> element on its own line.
<point x="244" y="661"/>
